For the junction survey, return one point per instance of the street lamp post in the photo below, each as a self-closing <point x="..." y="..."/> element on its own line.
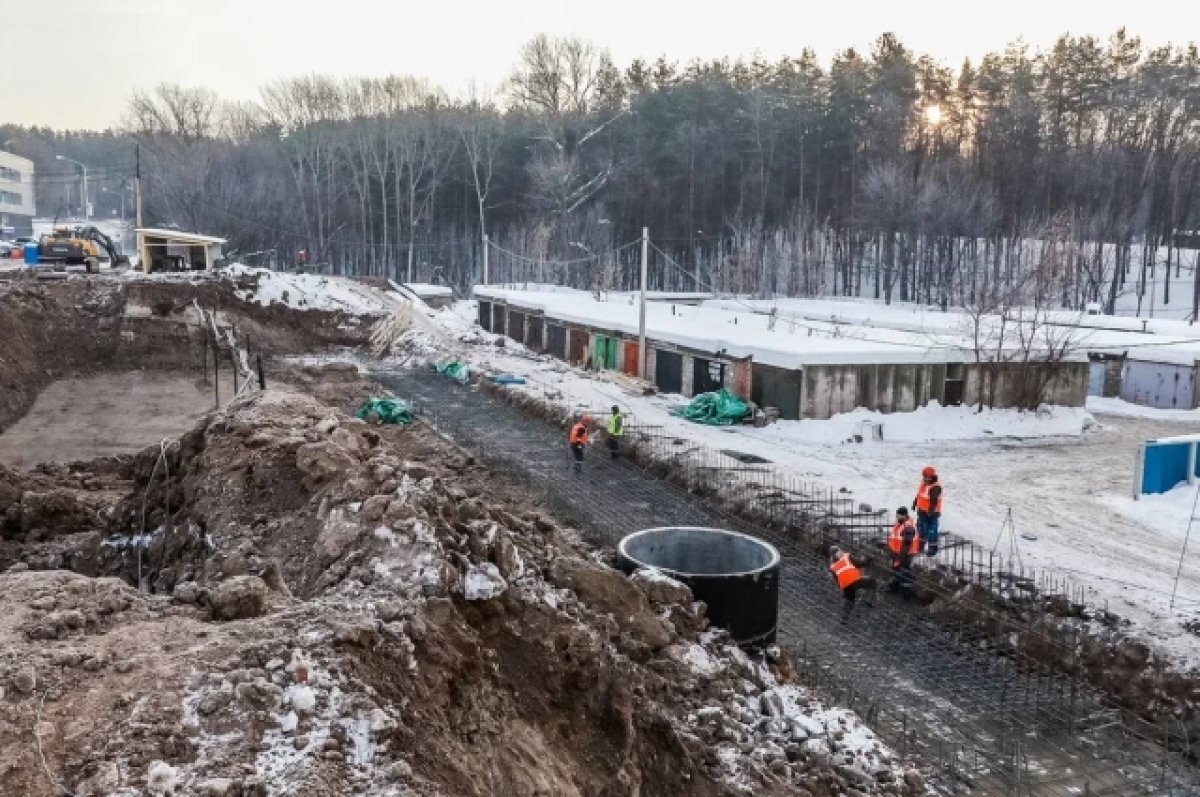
<point x="85" y="188"/>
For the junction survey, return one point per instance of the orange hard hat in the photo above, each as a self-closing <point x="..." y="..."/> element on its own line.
<point x="928" y="471"/>
<point x="586" y="419"/>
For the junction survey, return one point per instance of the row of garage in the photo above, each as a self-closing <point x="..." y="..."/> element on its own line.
<point x="815" y="390"/>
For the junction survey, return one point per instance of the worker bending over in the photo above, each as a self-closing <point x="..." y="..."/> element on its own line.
<point x="848" y="575"/>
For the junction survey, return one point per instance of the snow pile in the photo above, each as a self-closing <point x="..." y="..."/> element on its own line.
<point x="483" y="582"/>
<point x="934" y="422"/>
<point x="160" y="778"/>
<point x="699" y="659"/>
<point x="1125" y="409"/>
<point x="308" y="291"/>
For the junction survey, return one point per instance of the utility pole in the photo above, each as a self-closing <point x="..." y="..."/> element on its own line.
<point x="137" y="203"/>
<point x="485" y="259"/>
<point x="137" y="183"/>
<point x="642" y="308"/>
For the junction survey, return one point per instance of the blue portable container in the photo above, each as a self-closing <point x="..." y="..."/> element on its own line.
<point x="31" y="254"/>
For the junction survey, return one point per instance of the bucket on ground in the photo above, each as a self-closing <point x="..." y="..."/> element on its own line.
<point x="736" y="575"/>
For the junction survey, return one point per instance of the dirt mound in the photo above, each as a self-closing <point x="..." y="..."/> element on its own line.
<point x="335" y="608"/>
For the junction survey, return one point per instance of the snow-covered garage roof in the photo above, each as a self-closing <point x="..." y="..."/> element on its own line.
<point x="779" y="342"/>
<point x="1150" y="340"/>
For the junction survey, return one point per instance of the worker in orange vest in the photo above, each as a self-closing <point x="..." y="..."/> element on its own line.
<point x="928" y="505"/>
<point x="578" y="440"/>
<point x="904" y="543"/>
<point x="848" y="575"/>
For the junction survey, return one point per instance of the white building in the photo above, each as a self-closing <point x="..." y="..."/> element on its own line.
<point x="16" y="195"/>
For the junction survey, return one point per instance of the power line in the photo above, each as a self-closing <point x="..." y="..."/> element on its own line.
<point x="547" y="262"/>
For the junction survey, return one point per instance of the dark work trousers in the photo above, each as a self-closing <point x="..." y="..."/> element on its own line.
<point x="902" y="576"/>
<point x="614" y="445"/>
<point x="865" y="585"/>
<point x="927" y="529"/>
<point x="577" y="450"/>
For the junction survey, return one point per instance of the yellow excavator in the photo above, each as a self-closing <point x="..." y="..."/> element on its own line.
<point x="79" y="246"/>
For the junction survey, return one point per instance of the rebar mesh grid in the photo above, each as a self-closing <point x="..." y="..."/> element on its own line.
<point x="938" y="690"/>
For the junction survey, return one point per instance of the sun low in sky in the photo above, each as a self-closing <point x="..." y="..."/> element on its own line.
<point x="236" y="46"/>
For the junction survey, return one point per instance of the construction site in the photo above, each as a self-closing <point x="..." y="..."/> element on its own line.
<point x="224" y="572"/>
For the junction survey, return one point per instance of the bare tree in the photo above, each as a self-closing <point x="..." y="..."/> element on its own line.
<point x="188" y="114"/>
<point x="306" y="112"/>
<point x="480" y="131"/>
<point x="557" y="77"/>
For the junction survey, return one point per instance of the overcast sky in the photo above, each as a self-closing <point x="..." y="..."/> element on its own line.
<point x="235" y="46"/>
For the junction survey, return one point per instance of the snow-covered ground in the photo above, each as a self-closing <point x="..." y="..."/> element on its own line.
<point x="1126" y="409"/>
<point x="311" y="291"/>
<point x="1065" y="475"/>
<point x="428" y="291"/>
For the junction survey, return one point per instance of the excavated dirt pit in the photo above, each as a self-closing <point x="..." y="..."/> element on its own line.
<point x="286" y="601"/>
<point x="107" y="415"/>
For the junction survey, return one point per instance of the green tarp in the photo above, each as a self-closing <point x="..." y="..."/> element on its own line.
<point x="455" y="369"/>
<point x="721" y="408"/>
<point x="387" y="410"/>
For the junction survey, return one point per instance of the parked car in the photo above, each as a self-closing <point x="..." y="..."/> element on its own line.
<point x="6" y="248"/>
<point x="18" y="246"/>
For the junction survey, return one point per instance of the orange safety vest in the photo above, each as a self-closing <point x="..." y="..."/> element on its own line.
<point x="578" y="434"/>
<point x="844" y="571"/>
<point x="896" y="538"/>
<point x="923" y="501"/>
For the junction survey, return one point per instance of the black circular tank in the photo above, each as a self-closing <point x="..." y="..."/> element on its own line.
<point x="736" y="575"/>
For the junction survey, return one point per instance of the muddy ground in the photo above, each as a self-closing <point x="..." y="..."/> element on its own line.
<point x="285" y="600"/>
<point x="107" y="415"/>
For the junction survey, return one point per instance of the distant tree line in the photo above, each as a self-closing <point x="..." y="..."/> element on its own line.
<point x="883" y="174"/>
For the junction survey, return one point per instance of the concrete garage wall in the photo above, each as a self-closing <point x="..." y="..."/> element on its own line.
<point x="832" y="389"/>
<point x="689" y="376"/>
<point x="829" y="390"/>
<point x="1068" y="387"/>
